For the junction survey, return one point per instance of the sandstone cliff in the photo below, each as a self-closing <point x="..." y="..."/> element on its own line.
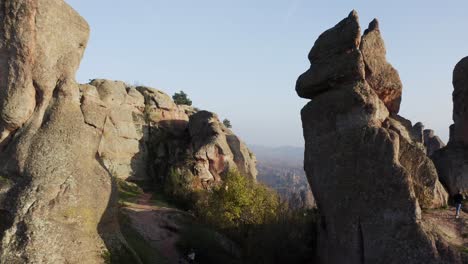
<point x="61" y="142"/>
<point x="367" y="166"/>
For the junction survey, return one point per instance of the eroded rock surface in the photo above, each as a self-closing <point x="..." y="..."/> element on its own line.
<point x="367" y="166"/>
<point x="460" y="100"/>
<point x="380" y="75"/>
<point x="146" y="135"/>
<point x="60" y="142"/>
<point x="57" y="191"/>
<point x="452" y="160"/>
<point x="432" y="142"/>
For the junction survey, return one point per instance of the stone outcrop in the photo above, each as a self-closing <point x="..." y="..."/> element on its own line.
<point x="379" y="74"/>
<point x="57" y="190"/>
<point x="452" y="160"/>
<point x="367" y="166"/>
<point x="61" y="142"/>
<point x="145" y="135"/>
<point x="432" y="142"/>
<point x="459" y="132"/>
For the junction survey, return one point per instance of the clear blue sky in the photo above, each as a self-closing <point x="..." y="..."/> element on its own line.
<point x="241" y="58"/>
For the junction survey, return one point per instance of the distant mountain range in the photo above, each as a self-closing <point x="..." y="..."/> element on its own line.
<point x="281" y="168"/>
<point x="285" y="155"/>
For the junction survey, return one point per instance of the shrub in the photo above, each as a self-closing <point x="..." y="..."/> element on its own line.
<point x="266" y="229"/>
<point x="238" y="202"/>
<point x="227" y="123"/>
<point x="181" y="98"/>
<point x="178" y="187"/>
<point x="128" y="192"/>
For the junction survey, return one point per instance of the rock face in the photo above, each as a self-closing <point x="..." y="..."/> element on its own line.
<point x="460" y="99"/>
<point x="52" y="204"/>
<point x="432" y="142"/>
<point x="380" y="75"/>
<point x="452" y="160"/>
<point x="146" y="135"/>
<point x="60" y="142"/>
<point x="366" y="165"/>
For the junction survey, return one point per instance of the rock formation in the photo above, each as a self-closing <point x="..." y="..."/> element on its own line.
<point x="145" y="134"/>
<point x="57" y="190"/>
<point x="366" y="165"/>
<point x="60" y="141"/>
<point x="452" y="160"/>
<point x="432" y="142"/>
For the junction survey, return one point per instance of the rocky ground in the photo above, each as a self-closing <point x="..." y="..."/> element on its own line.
<point x="158" y="225"/>
<point x="454" y="230"/>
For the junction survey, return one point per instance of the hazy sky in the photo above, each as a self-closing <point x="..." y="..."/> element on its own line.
<point x="241" y="58"/>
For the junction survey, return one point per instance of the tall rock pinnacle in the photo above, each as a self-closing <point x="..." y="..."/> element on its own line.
<point x="48" y="152"/>
<point x="367" y="166"/>
<point x="452" y="160"/>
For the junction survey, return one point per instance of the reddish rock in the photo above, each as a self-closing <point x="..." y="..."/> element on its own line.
<point x="380" y="75"/>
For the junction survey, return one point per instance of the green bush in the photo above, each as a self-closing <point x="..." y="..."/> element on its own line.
<point x="227" y="123"/>
<point x="266" y="229"/>
<point x="238" y="202"/>
<point x="128" y="192"/>
<point x="181" y="98"/>
<point x="178" y="188"/>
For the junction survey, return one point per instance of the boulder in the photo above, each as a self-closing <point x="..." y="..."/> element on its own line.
<point x="366" y="165"/>
<point x="218" y="148"/>
<point x="335" y="59"/>
<point x="452" y="166"/>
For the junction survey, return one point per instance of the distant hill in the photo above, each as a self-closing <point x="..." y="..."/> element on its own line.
<point x="281" y="168"/>
<point x="285" y="155"/>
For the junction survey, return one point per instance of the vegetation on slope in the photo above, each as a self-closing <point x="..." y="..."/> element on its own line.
<point x="257" y="226"/>
<point x="238" y="221"/>
<point x="181" y="98"/>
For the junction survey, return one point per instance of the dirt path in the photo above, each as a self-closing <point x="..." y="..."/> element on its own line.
<point x="455" y="230"/>
<point x="157" y="225"/>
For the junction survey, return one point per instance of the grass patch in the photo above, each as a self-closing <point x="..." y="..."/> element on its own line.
<point x="4" y="181"/>
<point x="128" y="192"/>
<point x="463" y="249"/>
<point x="107" y="257"/>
